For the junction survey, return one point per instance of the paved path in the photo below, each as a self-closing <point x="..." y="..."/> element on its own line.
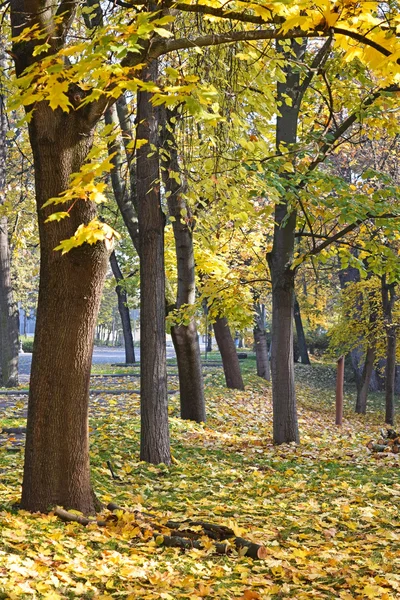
<point x="100" y="356"/>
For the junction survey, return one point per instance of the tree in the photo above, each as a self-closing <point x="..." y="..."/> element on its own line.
<point x="184" y="333"/>
<point x="9" y="322"/>
<point x="260" y="342"/>
<point x="154" y="445"/>
<point x="123" y="310"/>
<point x="57" y="454"/>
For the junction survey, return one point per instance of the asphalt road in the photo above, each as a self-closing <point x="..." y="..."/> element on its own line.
<point x="100" y="356"/>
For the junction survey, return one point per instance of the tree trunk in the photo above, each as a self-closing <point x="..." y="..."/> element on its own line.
<point x="123" y="311"/>
<point x="154" y="441"/>
<point x="186" y="344"/>
<point x="301" y="338"/>
<point x="9" y="318"/>
<point x="227" y="348"/>
<point x="126" y="199"/>
<point x="346" y="276"/>
<point x="261" y="344"/>
<point x="209" y="338"/>
<point x="388" y="300"/>
<point x="362" y="389"/>
<point x="285" y="425"/>
<point x="57" y="451"/>
<point x="184" y="336"/>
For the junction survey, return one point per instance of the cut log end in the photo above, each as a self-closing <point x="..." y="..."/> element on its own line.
<point x="262" y="553"/>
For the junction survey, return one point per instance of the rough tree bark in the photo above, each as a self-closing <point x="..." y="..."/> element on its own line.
<point x="227" y="348"/>
<point x="184" y="336"/>
<point x="56" y="467"/>
<point x="388" y="300"/>
<point x="285" y="425"/>
<point x="56" y="455"/>
<point x="154" y="443"/>
<point x="260" y="343"/>
<point x="301" y="338"/>
<point x="9" y="322"/>
<point x="123" y="310"/>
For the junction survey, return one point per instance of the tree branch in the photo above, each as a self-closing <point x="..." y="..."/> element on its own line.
<point x="66" y="13"/>
<point x="348" y="229"/>
<point x="163" y="46"/>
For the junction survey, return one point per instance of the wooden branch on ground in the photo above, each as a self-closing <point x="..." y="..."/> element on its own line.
<point x="176" y="539"/>
<point x="388" y="442"/>
<point x="68" y="517"/>
<point x="211" y="530"/>
<point x="244" y="547"/>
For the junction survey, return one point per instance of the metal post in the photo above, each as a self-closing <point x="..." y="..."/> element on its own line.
<point x="339" y="390"/>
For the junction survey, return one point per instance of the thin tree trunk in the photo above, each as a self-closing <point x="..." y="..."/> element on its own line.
<point x="260" y="343"/>
<point x="388" y="300"/>
<point x="209" y="338"/>
<point x="57" y="451"/>
<point x="126" y="199"/>
<point x="123" y="310"/>
<point x="301" y="338"/>
<point x="364" y="382"/>
<point x="285" y="425"/>
<point x="227" y="348"/>
<point x="9" y="318"/>
<point x="184" y="336"/>
<point x="362" y="389"/>
<point x="154" y="441"/>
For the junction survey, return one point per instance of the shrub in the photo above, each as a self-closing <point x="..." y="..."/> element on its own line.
<point x="27" y="345"/>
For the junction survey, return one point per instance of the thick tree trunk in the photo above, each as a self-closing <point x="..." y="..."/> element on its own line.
<point x="362" y="389"/>
<point x="227" y="348"/>
<point x="261" y="344"/>
<point x="154" y="441"/>
<point x="123" y="310"/>
<point x="9" y="322"/>
<point x="184" y="337"/>
<point x="285" y="425"/>
<point x="388" y="300"/>
<point x="301" y="338"/>
<point x="186" y="344"/>
<point x="57" y="450"/>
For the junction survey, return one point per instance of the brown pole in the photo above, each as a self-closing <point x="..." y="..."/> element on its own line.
<point x="339" y="390"/>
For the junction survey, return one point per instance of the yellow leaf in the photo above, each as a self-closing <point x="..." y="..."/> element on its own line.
<point x="57" y="216"/>
<point x="57" y="95"/>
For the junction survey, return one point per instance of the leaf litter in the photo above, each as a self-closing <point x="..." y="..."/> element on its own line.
<point x="327" y="511"/>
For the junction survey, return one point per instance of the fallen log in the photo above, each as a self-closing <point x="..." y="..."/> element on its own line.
<point x="211" y="530"/>
<point x="388" y="442"/>
<point x="244" y="547"/>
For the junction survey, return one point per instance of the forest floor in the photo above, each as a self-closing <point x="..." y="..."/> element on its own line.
<point x="327" y="510"/>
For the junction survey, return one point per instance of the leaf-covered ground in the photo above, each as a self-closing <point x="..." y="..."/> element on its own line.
<point x="327" y="510"/>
